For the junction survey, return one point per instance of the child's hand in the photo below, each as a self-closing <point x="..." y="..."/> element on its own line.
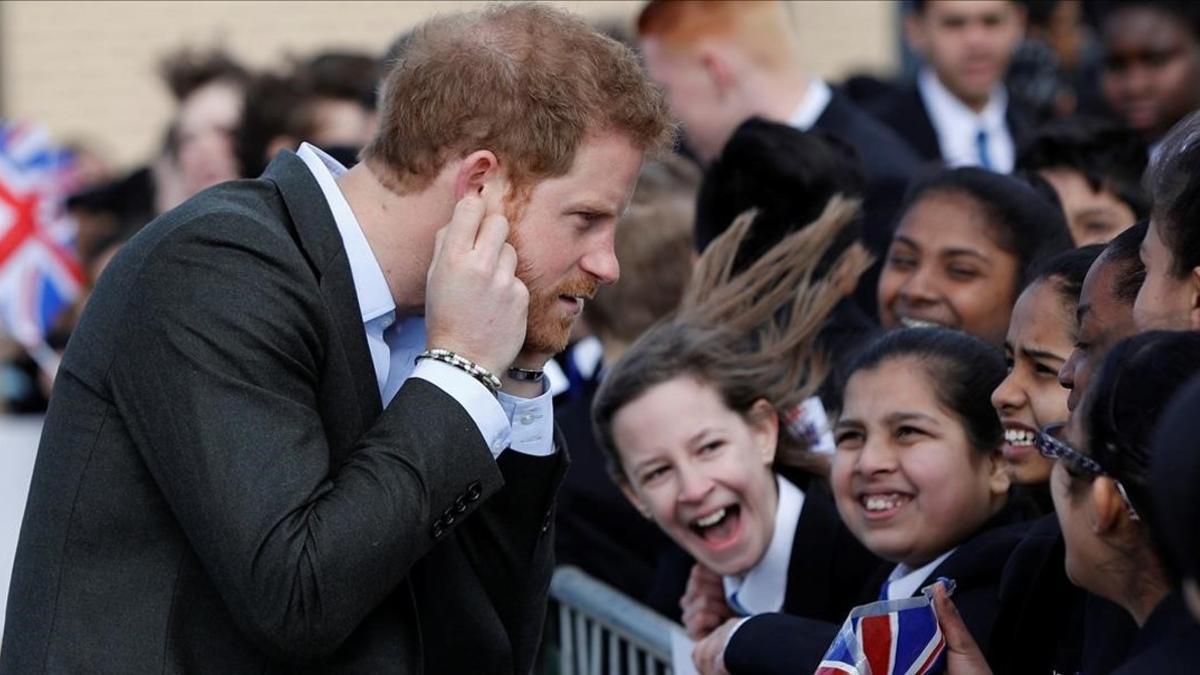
<point x="962" y="654"/>
<point x="703" y="603"/>
<point x="709" y="653"/>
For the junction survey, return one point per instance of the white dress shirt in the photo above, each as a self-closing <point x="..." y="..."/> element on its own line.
<point x="761" y="589"/>
<point x="816" y="100"/>
<point x="904" y="581"/>
<point x="525" y="425"/>
<point x="958" y="127"/>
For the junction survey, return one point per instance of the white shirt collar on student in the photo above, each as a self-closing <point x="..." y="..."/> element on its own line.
<point x="762" y="588"/>
<point x="957" y="126"/>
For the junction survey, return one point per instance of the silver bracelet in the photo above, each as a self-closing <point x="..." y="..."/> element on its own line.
<point x="483" y="375"/>
<point x="525" y="374"/>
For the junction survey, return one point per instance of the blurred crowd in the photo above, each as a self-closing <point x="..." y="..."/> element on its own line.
<point x="867" y="334"/>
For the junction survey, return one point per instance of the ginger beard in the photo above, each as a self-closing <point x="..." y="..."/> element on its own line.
<point x="549" y="321"/>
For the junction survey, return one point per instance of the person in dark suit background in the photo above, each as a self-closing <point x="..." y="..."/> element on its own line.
<point x="958" y="112"/>
<point x="243" y="470"/>
<point x="721" y="63"/>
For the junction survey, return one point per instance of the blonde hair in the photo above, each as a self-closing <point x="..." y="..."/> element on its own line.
<point x="526" y="81"/>
<point x="751" y="336"/>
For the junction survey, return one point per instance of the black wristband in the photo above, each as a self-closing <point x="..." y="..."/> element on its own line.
<point x="526" y="375"/>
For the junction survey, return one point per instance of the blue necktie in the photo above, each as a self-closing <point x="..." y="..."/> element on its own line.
<point x="981" y="144"/>
<point x="736" y="605"/>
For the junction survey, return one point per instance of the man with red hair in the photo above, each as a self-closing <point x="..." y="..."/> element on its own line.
<point x="723" y="62"/>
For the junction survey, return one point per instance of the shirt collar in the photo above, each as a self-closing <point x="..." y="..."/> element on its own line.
<point x="946" y="108"/>
<point x="816" y="99"/>
<point x="762" y="588"/>
<point x="374" y="297"/>
<point x="904" y="581"/>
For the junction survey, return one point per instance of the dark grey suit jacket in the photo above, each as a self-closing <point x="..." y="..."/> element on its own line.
<point x="218" y="489"/>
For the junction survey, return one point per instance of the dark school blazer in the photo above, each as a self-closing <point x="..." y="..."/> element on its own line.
<point x="218" y="488"/>
<point x="781" y="643"/>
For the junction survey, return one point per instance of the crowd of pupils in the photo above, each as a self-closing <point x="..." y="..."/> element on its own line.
<point x="1005" y="399"/>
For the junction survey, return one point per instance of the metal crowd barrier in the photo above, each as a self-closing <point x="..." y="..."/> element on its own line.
<point x="602" y="631"/>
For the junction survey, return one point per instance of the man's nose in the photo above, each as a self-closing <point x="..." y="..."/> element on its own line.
<point x="602" y="263"/>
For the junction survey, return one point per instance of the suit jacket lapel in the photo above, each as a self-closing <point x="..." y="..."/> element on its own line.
<point x="921" y="133"/>
<point x="322" y="244"/>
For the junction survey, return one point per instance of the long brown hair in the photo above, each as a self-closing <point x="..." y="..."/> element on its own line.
<point x="752" y="335"/>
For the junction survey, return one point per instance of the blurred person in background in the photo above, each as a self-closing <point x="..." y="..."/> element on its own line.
<point x="340" y="113"/>
<point x="1151" y="74"/>
<point x="208" y="88"/>
<point x="1096" y="169"/>
<point x="1055" y="71"/>
<point x="273" y="119"/>
<point x="958" y="111"/>
<point x="721" y="63"/>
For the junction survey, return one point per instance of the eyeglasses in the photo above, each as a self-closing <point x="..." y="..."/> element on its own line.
<point x="1048" y="443"/>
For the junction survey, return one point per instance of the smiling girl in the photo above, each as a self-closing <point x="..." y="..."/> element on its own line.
<point x="693" y="418"/>
<point x="919" y="478"/>
<point x="1040" y="337"/>
<point x="965" y="243"/>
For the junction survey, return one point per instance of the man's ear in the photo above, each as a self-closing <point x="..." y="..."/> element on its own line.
<point x="479" y="174"/>
<point x="1194" y="292"/>
<point x="717" y="67"/>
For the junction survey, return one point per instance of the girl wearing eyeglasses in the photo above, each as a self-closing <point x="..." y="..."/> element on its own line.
<point x="1103" y="500"/>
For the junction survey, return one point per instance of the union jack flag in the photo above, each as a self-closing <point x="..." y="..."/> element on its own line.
<point x="40" y="274"/>
<point x="895" y="637"/>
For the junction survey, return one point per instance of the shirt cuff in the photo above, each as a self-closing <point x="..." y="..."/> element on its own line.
<point x="735" y="628"/>
<point x="476" y="399"/>
<point x="532" y="422"/>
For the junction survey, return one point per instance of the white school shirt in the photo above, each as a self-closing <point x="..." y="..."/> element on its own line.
<point x="816" y="100"/>
<point x="957" y="126"/>
<point x="904" y="581"/>
<point x="761" y="589"/>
